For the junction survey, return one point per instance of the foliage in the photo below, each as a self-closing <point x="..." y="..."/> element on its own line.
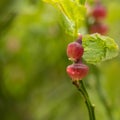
<point x="73" y="11"/>
<point x="99" y="48"/>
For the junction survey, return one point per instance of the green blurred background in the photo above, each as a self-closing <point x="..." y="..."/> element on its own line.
<point x="33" y="80"/>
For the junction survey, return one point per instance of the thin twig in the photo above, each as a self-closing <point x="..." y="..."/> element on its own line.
<point x="80" y="86"/>
<point x="101" y="94"/>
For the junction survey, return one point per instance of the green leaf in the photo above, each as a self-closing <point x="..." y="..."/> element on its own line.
<point x="73" y="10"/>
<point x="98" y="48"/>
<point x="82" y="1"/>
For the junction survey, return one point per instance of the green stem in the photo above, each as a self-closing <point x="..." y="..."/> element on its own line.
<point x="88" y="102"/>
<point x="101" y="94"/>
<point x="84" y="93"/>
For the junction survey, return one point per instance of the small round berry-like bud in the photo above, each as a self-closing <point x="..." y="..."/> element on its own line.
<point x="98" y="28"/>
<point x="74" y="51"/>
<point x="99" y="12"/>
<point x="77" y="71"/>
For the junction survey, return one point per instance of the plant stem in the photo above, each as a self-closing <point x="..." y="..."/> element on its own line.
<point x="101" y="94"/>
<point x="88" y="102"/>
<point x="84" y="93"/>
